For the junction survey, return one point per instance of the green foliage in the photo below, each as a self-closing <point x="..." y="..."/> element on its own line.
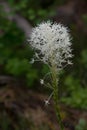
<point x="84" y="59"/>
<point x="14" y="54"/>
<point x="81" y="125"/>
<point x="76" y="87"/>
<point x="35" y="11"/>
<point x="17" y="66"/>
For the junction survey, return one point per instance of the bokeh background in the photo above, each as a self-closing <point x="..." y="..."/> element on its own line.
<point x="21" y="95"/>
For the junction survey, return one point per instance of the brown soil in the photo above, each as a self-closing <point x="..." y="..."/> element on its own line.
<point x="20" y="101"/>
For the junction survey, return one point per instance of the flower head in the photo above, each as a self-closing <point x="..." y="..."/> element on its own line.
<point x="46" y="102"/>
<point x="41" y="81"/>
<point x="52" y="42"/>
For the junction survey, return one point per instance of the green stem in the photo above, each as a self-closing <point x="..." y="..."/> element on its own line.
<point x="55" y="96"/>
<point x="56" y="106"/>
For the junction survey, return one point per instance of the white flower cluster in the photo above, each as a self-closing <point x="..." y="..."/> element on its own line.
<point x="52" y="42"/>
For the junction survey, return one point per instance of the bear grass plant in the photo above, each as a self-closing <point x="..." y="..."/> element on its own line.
<point x="52" y="45"/>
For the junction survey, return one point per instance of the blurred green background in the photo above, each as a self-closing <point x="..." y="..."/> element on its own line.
<point x="17" y="17"/>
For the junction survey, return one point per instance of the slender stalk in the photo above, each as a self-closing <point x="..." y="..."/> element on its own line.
<point x="55" y="96"/>
<point x="56" y="106"/>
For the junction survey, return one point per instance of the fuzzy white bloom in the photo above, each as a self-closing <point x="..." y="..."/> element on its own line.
<point x="52" y="42"/>
<point x="46" y="102"/>
<point x="41" y="81"/>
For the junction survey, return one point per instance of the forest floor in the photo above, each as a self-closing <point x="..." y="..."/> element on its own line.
<point x="22" y="102"/>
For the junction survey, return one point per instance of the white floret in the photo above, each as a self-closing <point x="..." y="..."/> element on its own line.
<point x="52" y="41"/>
